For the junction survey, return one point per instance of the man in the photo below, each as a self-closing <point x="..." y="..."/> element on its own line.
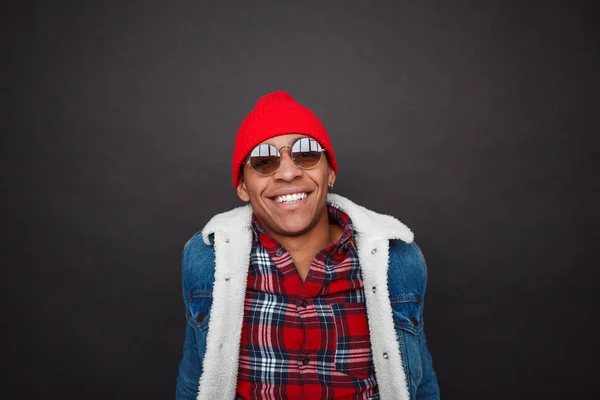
<point x="301" y="294"/>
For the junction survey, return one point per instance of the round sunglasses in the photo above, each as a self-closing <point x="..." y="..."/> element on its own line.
<point x="265" y="159"/>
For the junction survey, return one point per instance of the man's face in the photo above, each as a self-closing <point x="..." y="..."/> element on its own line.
<point x="264" y="193"/>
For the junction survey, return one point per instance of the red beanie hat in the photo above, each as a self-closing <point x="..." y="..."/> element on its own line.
<point x="277" y="114"/>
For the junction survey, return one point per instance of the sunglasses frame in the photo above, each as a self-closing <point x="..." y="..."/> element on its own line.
<point x="321" y="151"/>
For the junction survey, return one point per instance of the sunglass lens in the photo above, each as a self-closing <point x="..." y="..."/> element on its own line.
<point x="264" y="165"/>
<point x="264" y="158"/>
<point x="306" y="152"/>
<point x="307" y="159"/>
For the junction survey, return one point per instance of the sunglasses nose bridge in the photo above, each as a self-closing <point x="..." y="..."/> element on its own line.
<point x="281" y="153"/>
<point x="287" y="166"/>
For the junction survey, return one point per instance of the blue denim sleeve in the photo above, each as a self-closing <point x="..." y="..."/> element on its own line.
<point x="190" y="367"/>
<point x="428" y="388"/>
<point x="407" y="283"/>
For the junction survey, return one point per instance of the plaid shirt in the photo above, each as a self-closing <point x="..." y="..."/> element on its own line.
<point x="305" y="340"/>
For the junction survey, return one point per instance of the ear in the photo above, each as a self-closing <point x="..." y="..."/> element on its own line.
<point x="330" y="176"/>
<point x="242" y="190"/>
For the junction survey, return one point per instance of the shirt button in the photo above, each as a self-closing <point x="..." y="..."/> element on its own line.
<point x="373" y="251"/>
<point x="374" y="289"/>
<point x="305" y="361"/>
<point x="304" y="303"/>
<point x="278" y="253"/>
<point x="385" y="355"/>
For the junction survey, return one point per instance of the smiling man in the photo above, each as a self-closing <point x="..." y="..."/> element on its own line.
<point x="301" y="294"/>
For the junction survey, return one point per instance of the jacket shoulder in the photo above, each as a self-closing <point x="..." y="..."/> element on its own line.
<point x="370" y="223"/>
<point x="232" y="220"/>
<point x="407" y="271"/>
<point x="198" y="264"/>
<point x="401" y="250"/>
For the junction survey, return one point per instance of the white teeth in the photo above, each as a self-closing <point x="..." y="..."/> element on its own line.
<point x="291" y="198"/>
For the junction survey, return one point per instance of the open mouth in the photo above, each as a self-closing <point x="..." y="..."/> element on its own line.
<point x="290" y="198"/>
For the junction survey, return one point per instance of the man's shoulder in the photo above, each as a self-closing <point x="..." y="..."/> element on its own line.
<point x="401" y="251"/>
<point x="197" y="252"/>
<point x="232" y="220"/>
<point x="407" y="270"/>
<point x="370" y="223"/>
<point x="199" y="249"/>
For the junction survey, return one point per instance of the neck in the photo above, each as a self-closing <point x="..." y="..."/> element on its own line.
<point x="303" y="248"/>
<point x="318" y="235"/>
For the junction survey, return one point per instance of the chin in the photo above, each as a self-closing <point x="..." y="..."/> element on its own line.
<point x="293" y="230"/>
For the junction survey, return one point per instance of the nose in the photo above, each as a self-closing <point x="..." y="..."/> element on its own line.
<point x="288" y="171"/>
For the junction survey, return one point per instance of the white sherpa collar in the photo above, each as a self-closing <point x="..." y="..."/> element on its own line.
<point x="365" y="222"/>
<point x="237" y="219"/>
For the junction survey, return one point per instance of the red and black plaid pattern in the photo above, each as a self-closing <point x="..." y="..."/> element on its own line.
<point x="305" y="340"/>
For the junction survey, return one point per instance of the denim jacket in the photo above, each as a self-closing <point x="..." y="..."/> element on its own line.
<point x="214" y="271"/>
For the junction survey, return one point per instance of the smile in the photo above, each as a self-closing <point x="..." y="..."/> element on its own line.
<point x="290" y="198"/>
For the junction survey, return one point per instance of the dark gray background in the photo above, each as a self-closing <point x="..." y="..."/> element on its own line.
<point x="472" y="122"/>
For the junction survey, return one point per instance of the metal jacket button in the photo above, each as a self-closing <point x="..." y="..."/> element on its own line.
<point x="414" y="321"/>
